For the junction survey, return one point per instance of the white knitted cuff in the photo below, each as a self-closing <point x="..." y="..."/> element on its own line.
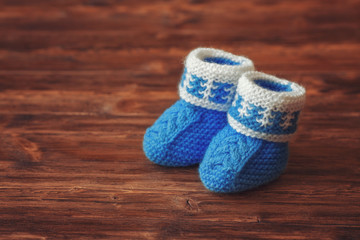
<point x="266" y="107"/>
<point x="210" y="77"/>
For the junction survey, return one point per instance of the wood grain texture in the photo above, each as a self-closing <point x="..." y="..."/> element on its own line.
<point x="81" y="80"/>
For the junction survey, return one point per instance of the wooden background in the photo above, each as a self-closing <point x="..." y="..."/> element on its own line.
<point x="81" y="80"/>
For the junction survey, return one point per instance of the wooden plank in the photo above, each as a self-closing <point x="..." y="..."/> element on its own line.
<point x="168" y="60"/>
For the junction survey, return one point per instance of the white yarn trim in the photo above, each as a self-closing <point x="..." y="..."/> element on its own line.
<point x="205" y="103"/>
<point x="240" y="128"/>
<point x="276" y="101"/>
<point x="224" y="73"/>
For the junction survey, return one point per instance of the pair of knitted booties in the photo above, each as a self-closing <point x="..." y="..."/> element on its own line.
<point x="234" y="121"/>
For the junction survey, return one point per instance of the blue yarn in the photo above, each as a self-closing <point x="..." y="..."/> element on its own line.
<point x="196" y="87"/>
<point x="220" y="60"/>
<point x="235" y="162"/>
<point x="183" y="132"/>
<point x="220" y="91"/>
<point x="181" y="135"/>
<point x="273" y="86"/>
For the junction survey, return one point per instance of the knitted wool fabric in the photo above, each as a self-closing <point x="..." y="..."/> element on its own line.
<point x="183" y="132"/>
<point x="253" y="148"/>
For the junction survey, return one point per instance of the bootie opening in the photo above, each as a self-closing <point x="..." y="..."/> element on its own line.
<point x="217" y="65"/>
<point x="271" y="92"/>
<point x="273" y="86"/>
<point x="221" y="61"/>
<point x="226" y="60"/>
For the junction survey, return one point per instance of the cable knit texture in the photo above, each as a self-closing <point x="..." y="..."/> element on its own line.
<point x="252" y="149"/>
<point x="183" y="132"/>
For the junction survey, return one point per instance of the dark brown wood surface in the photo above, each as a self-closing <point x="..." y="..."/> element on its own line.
<point x="81" y="80"/>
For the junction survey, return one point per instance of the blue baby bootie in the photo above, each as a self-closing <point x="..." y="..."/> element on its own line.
<point x="252" y="149"/>
<point x="183" y="132"/>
